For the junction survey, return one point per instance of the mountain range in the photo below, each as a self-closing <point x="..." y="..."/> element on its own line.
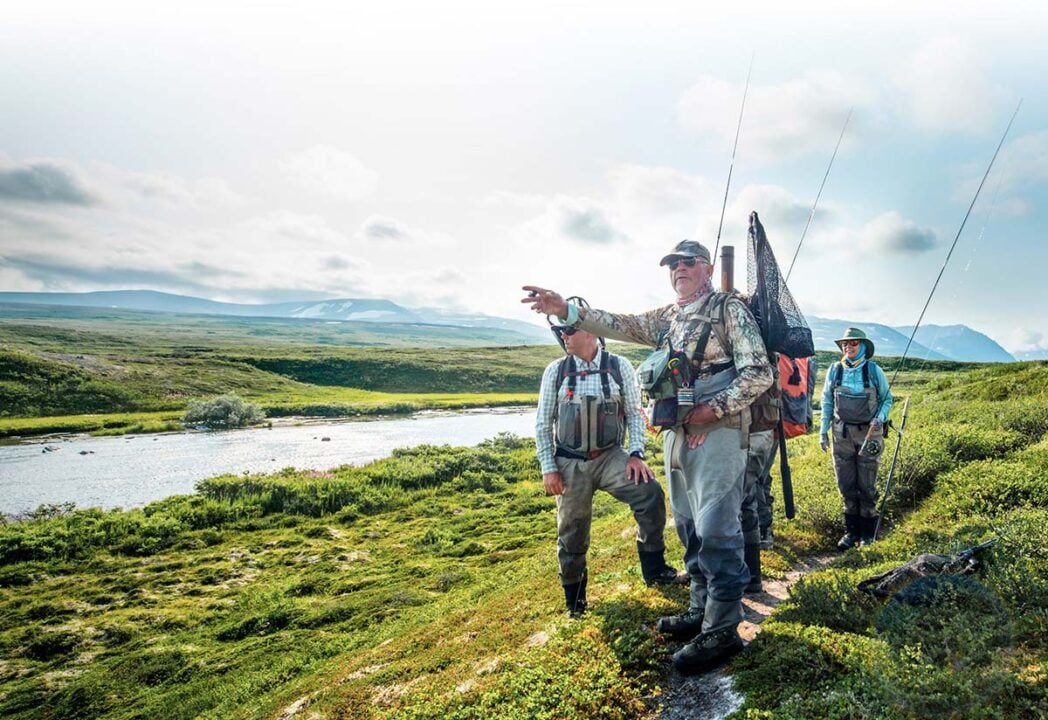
<point x="932" y="342"/>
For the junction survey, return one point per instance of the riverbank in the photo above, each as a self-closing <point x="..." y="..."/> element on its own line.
<point x="341" y="404"/>
<point x="131" y="471"/>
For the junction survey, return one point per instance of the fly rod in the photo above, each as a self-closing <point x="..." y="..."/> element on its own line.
<point x="818" y="195"/>
<point x="955" y="239"/>
<point x="731" y="166"/>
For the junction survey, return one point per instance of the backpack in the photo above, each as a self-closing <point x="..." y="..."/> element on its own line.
<point x="796" y="403"/>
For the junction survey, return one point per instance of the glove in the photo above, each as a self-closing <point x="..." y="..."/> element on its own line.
<point x="824" y="441"/>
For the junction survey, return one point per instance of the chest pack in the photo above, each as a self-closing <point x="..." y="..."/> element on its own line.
<point x="852" y="408"/>
<point x="589" y="423"/>
<point x="667" y="372"/>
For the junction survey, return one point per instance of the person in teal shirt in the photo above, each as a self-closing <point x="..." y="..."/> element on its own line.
<point x="856" y="401"/>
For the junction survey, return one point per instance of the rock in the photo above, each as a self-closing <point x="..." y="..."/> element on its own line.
<point x="325" y="439"/>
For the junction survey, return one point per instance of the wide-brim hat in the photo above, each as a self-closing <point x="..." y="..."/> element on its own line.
<point x="856" y="334"/>
<point x="686" y="248"/>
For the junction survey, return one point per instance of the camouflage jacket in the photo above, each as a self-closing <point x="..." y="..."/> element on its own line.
<point x="682" y="327"/>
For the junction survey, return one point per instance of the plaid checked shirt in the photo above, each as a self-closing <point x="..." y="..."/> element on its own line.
<point x="545" y="442"/>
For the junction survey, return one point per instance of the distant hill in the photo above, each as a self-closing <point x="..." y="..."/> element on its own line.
<point x="343" y="309"/>
<point x="932" y="342"/>
<point x="958" y="342"/>
<point x="887" y="341"/>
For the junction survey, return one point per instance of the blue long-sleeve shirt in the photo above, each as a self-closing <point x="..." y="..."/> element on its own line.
<point x="851" y="381"/>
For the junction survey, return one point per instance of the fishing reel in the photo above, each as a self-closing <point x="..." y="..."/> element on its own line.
<point x="872" y="447"/>
<point x="559" y="331"/>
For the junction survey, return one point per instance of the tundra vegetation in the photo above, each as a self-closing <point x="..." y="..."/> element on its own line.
<point x="424" y="586"/>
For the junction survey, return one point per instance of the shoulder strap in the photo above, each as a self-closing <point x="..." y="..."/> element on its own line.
<point x="866" y="374"/>
<point x="567" y="370"/>
<point x="605" y="386"/>
<point x="713" y="321"/>
<point x="839" y="367"/>
<point x="720" y="328"/>
<point x="615" y="368"/>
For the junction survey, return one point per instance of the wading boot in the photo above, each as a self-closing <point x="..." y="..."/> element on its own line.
<point x="707" y="650"/>
<point x="767" y="538"/>
<point x="575" y="598"/>
<point x="752" y="555"/>
<point x="655" y="570"/>
<point x="681" y="627"/>
<point x="868" y="530"/>
<point x="852" y="533"/>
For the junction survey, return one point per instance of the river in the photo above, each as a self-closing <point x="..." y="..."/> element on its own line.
<point x="133" y="470"/>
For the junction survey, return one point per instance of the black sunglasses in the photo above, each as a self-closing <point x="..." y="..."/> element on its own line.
<point x="688" y="262"/>
<point x="569" y="331"/>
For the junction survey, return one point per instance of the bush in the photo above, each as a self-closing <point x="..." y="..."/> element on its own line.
<point x="224" y="411"/>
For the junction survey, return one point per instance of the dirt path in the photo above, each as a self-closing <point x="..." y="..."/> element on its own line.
<point x="711" y="696"/>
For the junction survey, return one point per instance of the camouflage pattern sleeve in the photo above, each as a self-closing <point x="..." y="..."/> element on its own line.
<point x="644" y="329"/>
<point x="750" y="358"/>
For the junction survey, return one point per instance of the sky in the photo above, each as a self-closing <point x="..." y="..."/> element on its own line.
<point x="444" y="154"/>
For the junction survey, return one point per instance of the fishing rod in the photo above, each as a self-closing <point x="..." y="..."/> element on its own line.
<point x="955" y="239"/>
<point x="818" y="195"/>
<point x="891" y="468"/>
<point x="731" y="166"/>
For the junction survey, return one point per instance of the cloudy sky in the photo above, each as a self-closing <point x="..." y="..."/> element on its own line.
<point x="443" y="154"/>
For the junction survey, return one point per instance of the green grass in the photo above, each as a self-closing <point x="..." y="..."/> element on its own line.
<point x="114" y="383"/>
<point x="424" y="585"/>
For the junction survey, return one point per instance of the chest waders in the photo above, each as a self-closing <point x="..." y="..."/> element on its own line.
<point x="587" y="426"/>
<point x="856" y="471"/>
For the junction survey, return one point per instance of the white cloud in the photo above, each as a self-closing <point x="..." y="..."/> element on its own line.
<point x="575" y="219"/>
<point x="781" y="121"/>
<point x="331" y="172"/>
<point x="891" y="232"/>
<point x="1025" y="340"/>
<point x="45" y="181"/>
<point x="945" y="86"/>
<point x="381" y="230"/>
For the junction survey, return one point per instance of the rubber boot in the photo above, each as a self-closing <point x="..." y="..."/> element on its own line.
<point x="718" y="641"/>
<point x="575" y="598"/>
<point x="852" y="533"/>
<point x="681" y="627"/>
<point x="656" y="571"/>
<point x="752" y="555"/>
<point x="868" y="530"/>
<point x="767" y="538"/>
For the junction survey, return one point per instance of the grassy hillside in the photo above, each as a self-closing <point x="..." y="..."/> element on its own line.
<point x="118" y="376"/>
<point x="424" y="586"/>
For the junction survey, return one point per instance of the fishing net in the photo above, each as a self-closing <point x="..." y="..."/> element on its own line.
<point x="782" y="325"/>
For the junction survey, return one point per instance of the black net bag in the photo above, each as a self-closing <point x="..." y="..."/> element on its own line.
<point x="782" y="325"/>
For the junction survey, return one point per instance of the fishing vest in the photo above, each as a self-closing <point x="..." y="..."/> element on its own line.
<point x="707" y="380"/>
<point x="849" y="407"/>
<point x="589" y="424"/>
<point x="796" y="402"/>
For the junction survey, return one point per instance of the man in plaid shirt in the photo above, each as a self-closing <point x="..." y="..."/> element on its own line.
<point x="587" y="400"/>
